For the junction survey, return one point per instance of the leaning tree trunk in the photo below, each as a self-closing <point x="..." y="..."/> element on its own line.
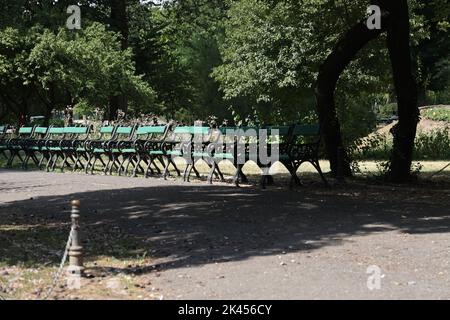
<point x="344" y="52"/>
<point x="404" y="131"/>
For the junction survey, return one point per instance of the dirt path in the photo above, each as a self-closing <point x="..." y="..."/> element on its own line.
<point x="219" y="242"/>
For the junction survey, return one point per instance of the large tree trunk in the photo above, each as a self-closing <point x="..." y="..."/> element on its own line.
<point x="119" y="23"/>
<point x="404" y="131"/>
<point x="344" y="52"/>
<point x="395" y="19"/>
<point x="115" y="103"/>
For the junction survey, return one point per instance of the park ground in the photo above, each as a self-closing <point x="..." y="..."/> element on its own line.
<point x="156" y="239"/>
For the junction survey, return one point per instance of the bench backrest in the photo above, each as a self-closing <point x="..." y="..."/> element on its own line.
<point x="306" y="130"/>
<point x="192" y="130"/>
<point x="79" y="133"/>
<point x="151" y="132"/>
<point x="76" y="130"/>
<point x="40" y="132"/>
<point x="282" y="134"/>
<point x="282" y="130"/>
<point x="55" y="133"/>
<point x="25" y="132"/>
<point x="305" y="133"/>
<point x="278" y="134"/>
<point x="187" y="134"/>
<point x="245" y="134"/>
<point x="124" y="133"/>
<point x="107" y="130"/>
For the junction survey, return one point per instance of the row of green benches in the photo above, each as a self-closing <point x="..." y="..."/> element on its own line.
<point x="152" y="149"/>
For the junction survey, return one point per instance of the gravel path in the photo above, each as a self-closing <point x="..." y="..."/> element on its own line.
<point x="221" y="242"/>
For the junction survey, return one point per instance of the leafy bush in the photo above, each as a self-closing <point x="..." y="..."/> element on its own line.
<point x="434" y="145"/>
<point x="387" y="110"/>
<point x="356" y="116"/>
<point x="375" y="147"/>
<point x="438" y="97"/>
<point x="437" y="114"/>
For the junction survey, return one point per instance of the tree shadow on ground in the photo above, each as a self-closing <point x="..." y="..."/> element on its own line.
<point x="186" y="225"/>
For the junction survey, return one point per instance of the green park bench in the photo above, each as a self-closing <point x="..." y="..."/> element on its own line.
<point x="94" y="148"/>
<point x="63" y="143"/>
<point x="195" y="149"/>
<point x="116" y="151"/>
<point x="277" y="139"/>
<point x="125" y="147"/>
<point x="15" y="145"/>
<point x="240" y="145"/>
<point x="27" y="142"/>
<point x="3" y="141"/>
<point x="147" y="148"/>
<point x="32" y="147"/>
<point x="295" y="145"/>
<point x="178" y="143"/>
<point x="50" y="147"/>
<point x="142" y="148"/>
<point x="233" y="147"/>
<point x="73" y="146"/>
<point x="303" y="146"/>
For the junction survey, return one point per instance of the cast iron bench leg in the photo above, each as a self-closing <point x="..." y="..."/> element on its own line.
<point x="211" y="171"/>
<point x="166" y="168"/>
<point x="187" y="172"/>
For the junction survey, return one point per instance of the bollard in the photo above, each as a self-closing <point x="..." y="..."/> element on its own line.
<point x="75" y="251"/>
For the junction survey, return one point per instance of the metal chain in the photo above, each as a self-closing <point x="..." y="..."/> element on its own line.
<point x="61" y="266"/>
<point x="442" y="170"/>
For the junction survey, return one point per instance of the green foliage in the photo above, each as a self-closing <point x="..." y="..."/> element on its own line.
<point x="190" y="32"/>
<point x="157" y="60"/>
<point x="267" y="52"/>
<point x="250" y="60"/>
<point x="434" y="145"/>
<point x="438" y="97"/>
<point x="90" y="64"/>
<point x="55" y="69"/>
<point x="17" y="87"/>
<point x="432" y="52"/>
<point x="272" y="51"/>
<point x="387" y="110"/>
<point x="374" y="147"/>
<point x="356" y="116"/>
<point x="56" y="123"/>
<point x="437" y="114"/>
<point x="83" y="108"/>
